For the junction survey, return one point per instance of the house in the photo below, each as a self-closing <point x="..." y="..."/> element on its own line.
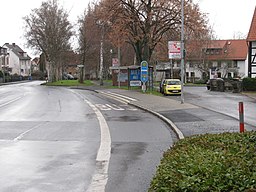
<point x="3" y="54"/>
<point x="208" y="59"/>
<point x="3" y="61"/>
<point x="217" y="59"/>
<point x="35" y="64"/>
<point x="18" y="61"/>
<point x="251" y="40"/>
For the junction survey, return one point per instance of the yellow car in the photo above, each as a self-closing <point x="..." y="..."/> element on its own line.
<point x="172" y="87"/>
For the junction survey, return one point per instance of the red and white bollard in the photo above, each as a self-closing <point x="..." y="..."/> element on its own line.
<point x="241" y="116"/>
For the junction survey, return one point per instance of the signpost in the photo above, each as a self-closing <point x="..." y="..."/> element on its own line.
<point x="81" y="73"/>
<point x="144" y="74"/>
<point x="135" y="78"/>
<point x="174" y="49"/>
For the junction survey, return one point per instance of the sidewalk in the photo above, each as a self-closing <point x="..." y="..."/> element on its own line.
<point x="185" y="119"/>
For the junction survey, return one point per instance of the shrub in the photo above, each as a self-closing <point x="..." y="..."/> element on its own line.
<point x="249" y="84"/>
<point x="201" y="81"/>
<point x="221" y="162"/>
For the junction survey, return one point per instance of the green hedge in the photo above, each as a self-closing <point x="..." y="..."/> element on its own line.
<point x="221" y="162"/>
<point x="249" y="84"/>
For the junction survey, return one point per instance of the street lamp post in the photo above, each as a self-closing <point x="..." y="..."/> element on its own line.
<point x="182" y="51"/>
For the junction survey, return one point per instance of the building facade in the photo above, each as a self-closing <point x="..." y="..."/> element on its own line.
<point x="218" y="59"/>
<point x="17" y="61"/>
<point x="251" y="40"/>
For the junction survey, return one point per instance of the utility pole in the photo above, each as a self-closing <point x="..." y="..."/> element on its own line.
<point x="182" y="51"/>
<point x="101" y="53"/>
<point x="119" y="64"/>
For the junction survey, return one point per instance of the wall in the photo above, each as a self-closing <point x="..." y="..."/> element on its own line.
<point x="253" y="53"/>
<point x="14" y="63"/>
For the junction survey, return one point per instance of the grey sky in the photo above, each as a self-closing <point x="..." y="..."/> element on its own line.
<point x="228" y="17"/>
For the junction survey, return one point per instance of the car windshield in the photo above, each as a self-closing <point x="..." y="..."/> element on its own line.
<point x="173" y="82"/>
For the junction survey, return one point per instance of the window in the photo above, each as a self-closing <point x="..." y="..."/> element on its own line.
<point x="219" y="74"/>
<point x="192" y="74"/>
<point x="173" y="82"/>
<point x="210" y="64"/>
<point x="229" y="64"/>
<point x="229" y="75"/>
<point x="235" y="64"/>
<point x="219" y="64"/>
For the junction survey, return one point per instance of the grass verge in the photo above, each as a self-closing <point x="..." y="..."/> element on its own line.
<point x="211" y="162"/>
<point x="70" y="83"/>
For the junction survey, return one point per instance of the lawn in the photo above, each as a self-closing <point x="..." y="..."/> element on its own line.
<point x="70" y="83"/>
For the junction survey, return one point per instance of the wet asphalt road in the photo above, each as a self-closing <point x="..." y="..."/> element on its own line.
<point x="218" y="112"/>
<point x="222" y="102"/>
<point x="50" y="139"/>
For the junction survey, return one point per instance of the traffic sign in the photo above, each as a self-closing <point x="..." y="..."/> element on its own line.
<point x="174" y="49"/>
<point x="144" y="71"/>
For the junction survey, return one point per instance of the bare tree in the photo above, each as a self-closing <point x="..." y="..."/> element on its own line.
<point x="143" y="23"/>
<point x="49" y="31"/>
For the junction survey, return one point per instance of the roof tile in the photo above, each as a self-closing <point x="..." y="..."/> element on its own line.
<point x="252" y="32"/>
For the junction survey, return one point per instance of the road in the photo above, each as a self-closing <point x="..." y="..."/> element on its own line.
<point x="222" y="102"/>
<point x="59" y="139"/>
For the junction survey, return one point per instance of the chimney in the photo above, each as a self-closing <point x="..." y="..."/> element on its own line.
<point x="13" y="44"/>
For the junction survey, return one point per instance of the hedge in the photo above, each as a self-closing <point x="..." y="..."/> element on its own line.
<point x="211" y="162"/>
<point x="249" y="84"/>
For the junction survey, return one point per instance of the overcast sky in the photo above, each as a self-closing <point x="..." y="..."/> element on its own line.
<point x="228" y="17"/>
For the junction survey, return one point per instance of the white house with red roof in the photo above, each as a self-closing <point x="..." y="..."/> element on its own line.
<point x="220" y="58"/>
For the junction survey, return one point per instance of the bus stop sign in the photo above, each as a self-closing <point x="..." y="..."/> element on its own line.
<point x="144" y="71"/>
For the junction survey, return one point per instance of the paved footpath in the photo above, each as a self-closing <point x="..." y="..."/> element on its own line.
<point x="185" y="119"/>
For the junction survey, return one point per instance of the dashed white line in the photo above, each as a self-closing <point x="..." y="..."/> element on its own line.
<point x="24" y="133"/>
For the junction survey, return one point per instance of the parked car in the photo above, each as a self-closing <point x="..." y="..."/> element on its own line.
<point x="161" y="86"/>
<point x="171" y="87"/>
<point x="67" y="76"/>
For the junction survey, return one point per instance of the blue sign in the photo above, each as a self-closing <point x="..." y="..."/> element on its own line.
<point x="144" y="71"/>
<point x="144" y="66"/>
<point x="134" y="74"/>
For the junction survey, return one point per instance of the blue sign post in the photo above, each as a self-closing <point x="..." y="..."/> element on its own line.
<point x="144" y="74"/>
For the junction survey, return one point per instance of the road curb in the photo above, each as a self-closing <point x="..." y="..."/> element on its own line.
<point x="163" y="118"/>
<point x="166" y="120"/>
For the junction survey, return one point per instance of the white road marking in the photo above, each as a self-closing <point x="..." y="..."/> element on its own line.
<point x="16" y="99"/>
<point x="123" y="96"/>
<point x="103" y="107"/>
<point x="120" y="99"/>
<point x="108" y="107"/>
<point x="24" y="133"/>
<point x="100" y="177"/>
<point x="128" y="107"/>
<point x="115" y="107"/>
